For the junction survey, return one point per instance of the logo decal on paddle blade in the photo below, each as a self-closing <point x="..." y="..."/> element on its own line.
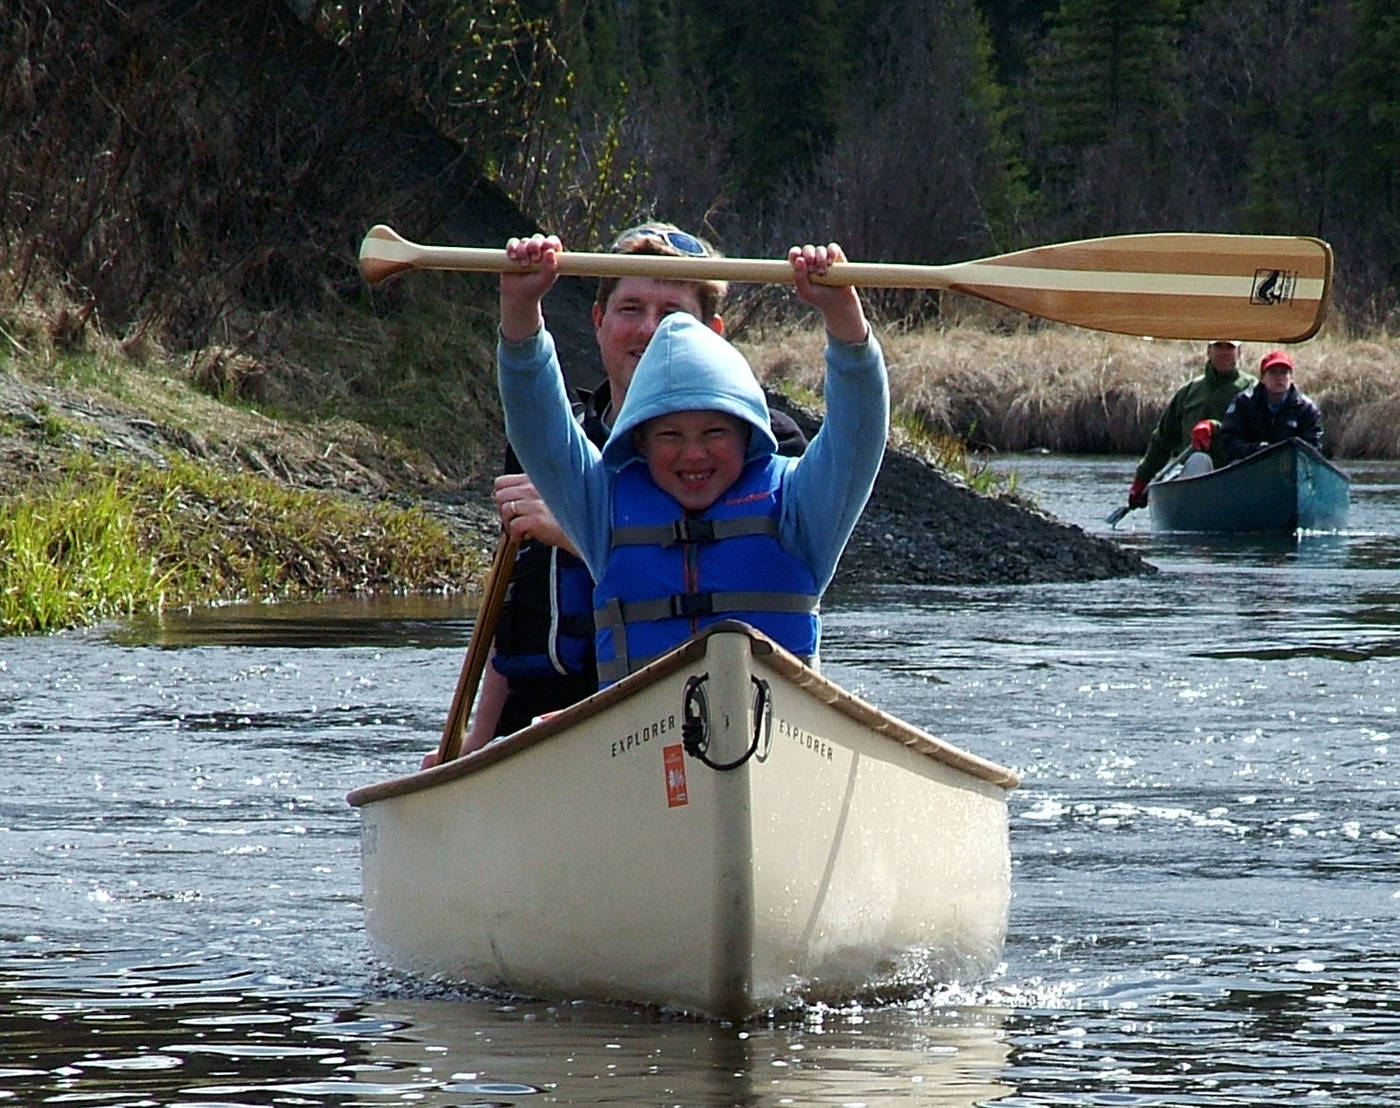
<point x="1273" y="286"/>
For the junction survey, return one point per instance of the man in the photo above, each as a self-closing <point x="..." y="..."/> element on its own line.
<point x="543" y="657"/>
<point x="1193" y="415"/>
<point x="1274" y="410"/>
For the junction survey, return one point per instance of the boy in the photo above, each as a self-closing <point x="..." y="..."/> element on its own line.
<point x="542" y="659"/>
<point x="692" y="443"/>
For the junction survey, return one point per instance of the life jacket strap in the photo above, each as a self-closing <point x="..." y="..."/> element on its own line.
<point x="687" y="605"/>
<point x="617" y="669"/>
<point x="694" y="530"/>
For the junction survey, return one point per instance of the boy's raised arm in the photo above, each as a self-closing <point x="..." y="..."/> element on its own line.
<point x="832" y="481"/>
<point x="560" y="462"/>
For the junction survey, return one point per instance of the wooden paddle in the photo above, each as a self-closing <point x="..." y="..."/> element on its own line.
<point x="1113" y="517"/>
<point x="479" y="649"/>
<point x="1258" y="288"/>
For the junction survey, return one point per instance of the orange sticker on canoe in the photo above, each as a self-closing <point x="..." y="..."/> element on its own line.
<point x="675" y="776"/>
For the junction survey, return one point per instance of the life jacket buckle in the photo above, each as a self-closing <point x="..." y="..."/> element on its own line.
<point x="694" y="530"/>
<point x="688" y="604"/>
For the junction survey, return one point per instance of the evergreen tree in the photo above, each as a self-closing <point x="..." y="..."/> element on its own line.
<point x="1102" y="102"/>
<point x="778" y="68"/>
<point x="1015" y="29"/>
<point x="1368" y="177"/>
<point x="1108" y="61"/>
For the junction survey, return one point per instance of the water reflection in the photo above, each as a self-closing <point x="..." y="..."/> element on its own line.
<point x="1307" y="549"/>
<point x="945" y="1057"/>
<point x="148" y="1034"/>
<point x="391" y="621"/>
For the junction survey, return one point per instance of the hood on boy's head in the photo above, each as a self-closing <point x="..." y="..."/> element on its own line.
<point x="687" y="367"/>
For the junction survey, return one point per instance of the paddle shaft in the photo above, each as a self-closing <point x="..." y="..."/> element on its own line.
<point x="479" y="649"/>
<point x="1267" y="288"/>
<point x="380" y="263"/>
<point x="1115" y="516"/>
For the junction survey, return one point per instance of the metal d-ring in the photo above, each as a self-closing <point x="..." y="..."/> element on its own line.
<point x="695" y="723"/>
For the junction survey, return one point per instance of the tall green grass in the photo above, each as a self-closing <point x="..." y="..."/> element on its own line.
<point x="950" y="454"/>
<point x="103" y="542"/>
<point x="72" y="556"/>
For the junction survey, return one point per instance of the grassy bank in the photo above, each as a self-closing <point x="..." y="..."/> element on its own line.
<point x="103" y="541"/>
<point x="132" y="479"/>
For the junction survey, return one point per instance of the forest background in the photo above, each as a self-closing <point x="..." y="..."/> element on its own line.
<point x="909" y="131"/>
<point x="922" y="132"/>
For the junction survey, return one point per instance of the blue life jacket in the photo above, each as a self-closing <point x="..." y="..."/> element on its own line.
<point x="673" y="573"/>
<point x="546" y="626"/>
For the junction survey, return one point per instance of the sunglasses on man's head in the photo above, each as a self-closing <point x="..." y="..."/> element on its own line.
<point x="679" y="240"/>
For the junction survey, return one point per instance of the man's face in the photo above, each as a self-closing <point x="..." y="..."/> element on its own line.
<point x="694" y="455"/>
<point x="1223" y="356"/>
<point x="625" y="326"/>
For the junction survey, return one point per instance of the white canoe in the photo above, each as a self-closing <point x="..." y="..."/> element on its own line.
<point x="844" y="853"/>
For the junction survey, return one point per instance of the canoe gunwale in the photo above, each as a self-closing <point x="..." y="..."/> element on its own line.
<point x="772" y="655"/>
<point x="1259" y="455"/>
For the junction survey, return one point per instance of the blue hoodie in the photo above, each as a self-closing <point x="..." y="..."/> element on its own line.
<point x="686" y="366"/>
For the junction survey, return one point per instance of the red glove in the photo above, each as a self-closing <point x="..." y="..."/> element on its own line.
<point x="1137" y="495"/>
<point x="1201" y="434"/>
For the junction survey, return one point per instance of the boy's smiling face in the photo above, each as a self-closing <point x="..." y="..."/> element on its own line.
<point x="694" y="455"/>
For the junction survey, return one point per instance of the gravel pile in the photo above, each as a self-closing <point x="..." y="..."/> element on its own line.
<point x="922" y="527"/>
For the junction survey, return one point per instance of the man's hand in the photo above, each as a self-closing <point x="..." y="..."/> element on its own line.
<point x="1202" y="434"/>
<point x="525" y="515"/>
<point x="1137" y="495"/>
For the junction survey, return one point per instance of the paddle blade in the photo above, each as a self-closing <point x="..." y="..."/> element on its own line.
<point x="1261" y="288"/>
<point x="1113" y="517"/>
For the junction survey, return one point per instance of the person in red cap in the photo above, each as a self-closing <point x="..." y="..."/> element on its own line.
<point x="1193" y="416"/>
<point x="1270" y="412"/>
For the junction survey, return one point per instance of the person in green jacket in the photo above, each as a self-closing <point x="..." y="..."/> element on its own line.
<point x="1192" y="418"/>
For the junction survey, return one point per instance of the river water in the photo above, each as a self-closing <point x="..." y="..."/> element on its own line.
<point x="1206" y="850"/>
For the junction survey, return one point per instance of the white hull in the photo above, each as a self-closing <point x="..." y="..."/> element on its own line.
<point x="588" y="857"/>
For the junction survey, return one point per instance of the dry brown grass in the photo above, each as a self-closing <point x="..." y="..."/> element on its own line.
<point x="1008" y="388"/>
